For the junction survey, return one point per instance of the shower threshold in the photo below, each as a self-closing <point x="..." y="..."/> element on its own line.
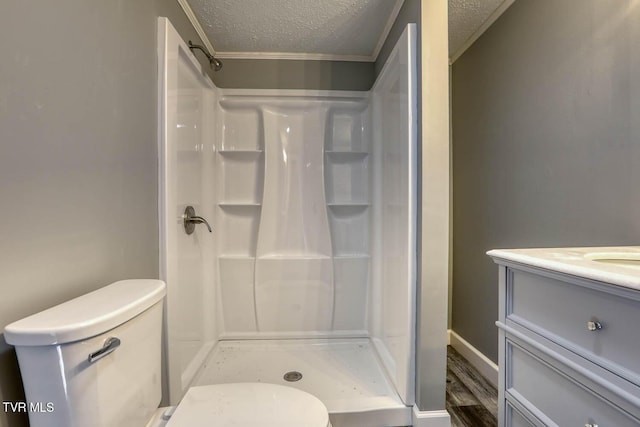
<point x="344" y="373"/>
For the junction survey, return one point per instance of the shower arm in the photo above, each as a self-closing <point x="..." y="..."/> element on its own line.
<point x="213" y="62"/>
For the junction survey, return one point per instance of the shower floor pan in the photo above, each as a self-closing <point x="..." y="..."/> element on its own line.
<point x="343" y="372"/>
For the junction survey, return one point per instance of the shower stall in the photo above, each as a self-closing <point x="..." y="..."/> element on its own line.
<point x="308" y="276"/>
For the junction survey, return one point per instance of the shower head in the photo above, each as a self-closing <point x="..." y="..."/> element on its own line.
<point x="213" y="62"/>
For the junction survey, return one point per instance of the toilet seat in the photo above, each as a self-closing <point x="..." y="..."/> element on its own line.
<point x="249" y="404"/>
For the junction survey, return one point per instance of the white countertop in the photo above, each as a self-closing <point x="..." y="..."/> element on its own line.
<point x="575" y="261"/>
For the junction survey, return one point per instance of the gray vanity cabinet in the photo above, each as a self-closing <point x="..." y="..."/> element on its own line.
<point x="569" y="350"/>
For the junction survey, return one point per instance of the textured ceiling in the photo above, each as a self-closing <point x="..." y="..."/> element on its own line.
<point x="348" y="29"/>
<point x="337" y="27"/>
<point x="465" y="18"/>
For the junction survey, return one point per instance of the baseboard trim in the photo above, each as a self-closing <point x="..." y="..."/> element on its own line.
<point x="430" y="418"/>
<point x="482" y="363"/>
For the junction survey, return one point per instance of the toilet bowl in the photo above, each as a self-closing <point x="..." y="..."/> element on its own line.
<point x="249" y="404"/>
<point x="95" y="361"/>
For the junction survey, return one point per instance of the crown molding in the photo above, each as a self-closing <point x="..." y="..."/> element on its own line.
<point x="196" y="25"/>
<point x="387" y="29"/>
<point x="300" y="56"/>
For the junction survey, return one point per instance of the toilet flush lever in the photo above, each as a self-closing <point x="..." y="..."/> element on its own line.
<point x="191" y="219"/>
<point x="110" y="345"/>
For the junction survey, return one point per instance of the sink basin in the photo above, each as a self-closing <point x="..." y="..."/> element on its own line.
<point x="623" y="259"/>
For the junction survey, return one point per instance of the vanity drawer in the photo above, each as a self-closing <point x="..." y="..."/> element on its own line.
<point x="563" y="401"/>
<point x="561" y="311"/>
<point x="513" y="418"/>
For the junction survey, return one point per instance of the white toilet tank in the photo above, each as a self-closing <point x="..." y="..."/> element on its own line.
<point x="69" y="382"/>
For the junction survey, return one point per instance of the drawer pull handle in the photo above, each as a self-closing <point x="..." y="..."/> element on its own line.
<point x="590" y="425"/>
<point x="594" y="326"/>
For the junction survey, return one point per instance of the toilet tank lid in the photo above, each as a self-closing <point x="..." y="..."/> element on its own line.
<point x="87" y="315"/>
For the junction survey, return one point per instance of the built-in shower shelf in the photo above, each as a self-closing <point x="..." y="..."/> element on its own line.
<point x="348" y="256"/>
<point x="293" y="256"/>
<point x="236" y="257"/>
<point x="239" y="205"/>
<point x="240" y="153"/>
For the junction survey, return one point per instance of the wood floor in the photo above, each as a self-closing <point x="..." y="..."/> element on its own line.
<point x="471" y="400"/>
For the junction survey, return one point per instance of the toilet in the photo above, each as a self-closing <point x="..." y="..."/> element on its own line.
<point x="95" y="361"/>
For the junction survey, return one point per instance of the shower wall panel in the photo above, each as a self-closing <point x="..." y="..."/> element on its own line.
<point x="294" y="222"/>
<point x="240" y="162"/>
<point x="393" y="293"/>
<point x="187" y="165"/>
<point x="294" y="270"/>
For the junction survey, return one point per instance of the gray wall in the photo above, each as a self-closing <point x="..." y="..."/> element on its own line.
<point x="78" y="156"/>
<point x="294" y="74"/>
<point x="546" y="142"/>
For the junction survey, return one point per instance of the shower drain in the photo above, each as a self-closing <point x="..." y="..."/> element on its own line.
<point x="292" y="376"/>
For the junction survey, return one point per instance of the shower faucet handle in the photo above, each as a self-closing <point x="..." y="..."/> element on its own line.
<point x="199" y="220"/>
<point x="190" y="220"/>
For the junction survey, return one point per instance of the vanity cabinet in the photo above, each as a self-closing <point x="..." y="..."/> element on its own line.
<point x="569" y="348"/>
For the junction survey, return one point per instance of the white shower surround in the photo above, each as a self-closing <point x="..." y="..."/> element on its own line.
<point x="302" y="217"/>
<point x="312" y="195"/>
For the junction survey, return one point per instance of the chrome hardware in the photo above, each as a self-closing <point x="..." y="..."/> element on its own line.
<point x="292" y="376"/>
<point x="191" y="219"/>
<point x="590" y="425"/>
<point x="594" y="326"/>
<point x="213" y="61"/>
<point x="110" y="345"/>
